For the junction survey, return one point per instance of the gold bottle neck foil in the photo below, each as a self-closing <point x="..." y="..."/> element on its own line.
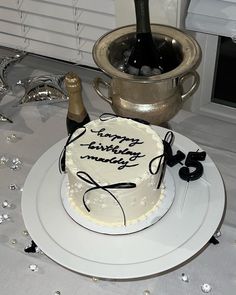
<point x="76" y="109"/>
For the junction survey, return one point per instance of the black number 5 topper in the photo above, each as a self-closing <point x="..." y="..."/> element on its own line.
<point x="193" y="169"/>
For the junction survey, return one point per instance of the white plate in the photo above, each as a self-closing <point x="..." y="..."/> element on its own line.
<point x="189" y="224"/>
<point x="163" y="207"/>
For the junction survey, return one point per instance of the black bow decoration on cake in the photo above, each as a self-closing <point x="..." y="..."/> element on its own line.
<point x="168" y="158"/>
<point x="62" y="158"/>
<point x="109" y="116"/>
<point x="95" y="186"/>
<point x="163" y="158"/>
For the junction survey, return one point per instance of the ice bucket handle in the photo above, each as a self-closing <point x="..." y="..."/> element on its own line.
<point x="96" y="85"/>
<point x="195" y="83"/>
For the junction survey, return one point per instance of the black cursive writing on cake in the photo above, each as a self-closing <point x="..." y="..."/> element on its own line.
<point x="109" y="152"/>
<point x="120" y="138"/>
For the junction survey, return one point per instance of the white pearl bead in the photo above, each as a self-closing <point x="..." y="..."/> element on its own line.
<point x="206" y="288"/>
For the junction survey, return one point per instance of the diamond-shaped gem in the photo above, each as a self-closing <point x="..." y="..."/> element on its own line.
<point x="12" y="138"/>
<point x="217" y="234"/>
<point x="3" y="161"/>
<point x="33" y="267"/>
<point x="16" y="161"/>
<point x="13" y="241"/>
<point x="15" y="167"/>
<point x="5" y="204"/>
<point x="13" y="187"/>
<point x="6" y="216"/>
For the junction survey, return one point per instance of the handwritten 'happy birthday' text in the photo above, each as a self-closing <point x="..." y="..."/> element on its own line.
<point x="114" y="149"/>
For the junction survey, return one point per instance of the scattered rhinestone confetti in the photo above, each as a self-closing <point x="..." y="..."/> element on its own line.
<point x="12" y="138"/>
<point x="217" y="234"/>
<point x="16" y="164"/>
<point x="206" y="288"/>
<point x="184" y="278"/>
<point x="94" y="279"/>
<point x="13" y="187"/>
<point x="16" y="161"/>
<point x="33" y="267"/>
<point x="13" y="241"/>
<point x="3" y="161"/>
<point x="6" y="216"/>
<point x="14" y="167"/>
<point x="146" y="292"/>
<point x="25" y="233"/>
<point x="6" y="204"/>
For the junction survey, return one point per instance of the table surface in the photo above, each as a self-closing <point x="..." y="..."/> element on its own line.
<point x="39" y="126"/>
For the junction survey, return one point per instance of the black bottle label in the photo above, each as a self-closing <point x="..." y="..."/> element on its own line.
<point x="72" y="124"/>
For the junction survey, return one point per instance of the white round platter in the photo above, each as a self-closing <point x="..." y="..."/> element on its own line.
<point x="162" y="209"/>
<point x="183" y="231"/>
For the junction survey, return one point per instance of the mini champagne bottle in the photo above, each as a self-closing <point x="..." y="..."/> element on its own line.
<point x="77" y="115"/>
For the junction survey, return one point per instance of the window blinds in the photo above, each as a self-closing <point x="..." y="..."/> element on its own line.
<point x="216" y="17"/>
<point x="63" y="29"/>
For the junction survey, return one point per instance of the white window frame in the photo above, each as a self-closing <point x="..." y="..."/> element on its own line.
<point x="201" y="102"/>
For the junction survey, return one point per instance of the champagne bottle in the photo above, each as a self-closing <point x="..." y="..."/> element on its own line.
<point x="77" y="115"/>
<point x="144" y="60"/>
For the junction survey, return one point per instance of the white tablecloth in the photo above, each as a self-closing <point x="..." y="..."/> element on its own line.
<point x="37" y="127"/>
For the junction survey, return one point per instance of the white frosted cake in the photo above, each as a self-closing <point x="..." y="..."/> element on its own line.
<point x="113" y="169"/>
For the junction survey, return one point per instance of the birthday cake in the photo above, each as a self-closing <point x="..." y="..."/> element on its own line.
<point x="114" y="171"/>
